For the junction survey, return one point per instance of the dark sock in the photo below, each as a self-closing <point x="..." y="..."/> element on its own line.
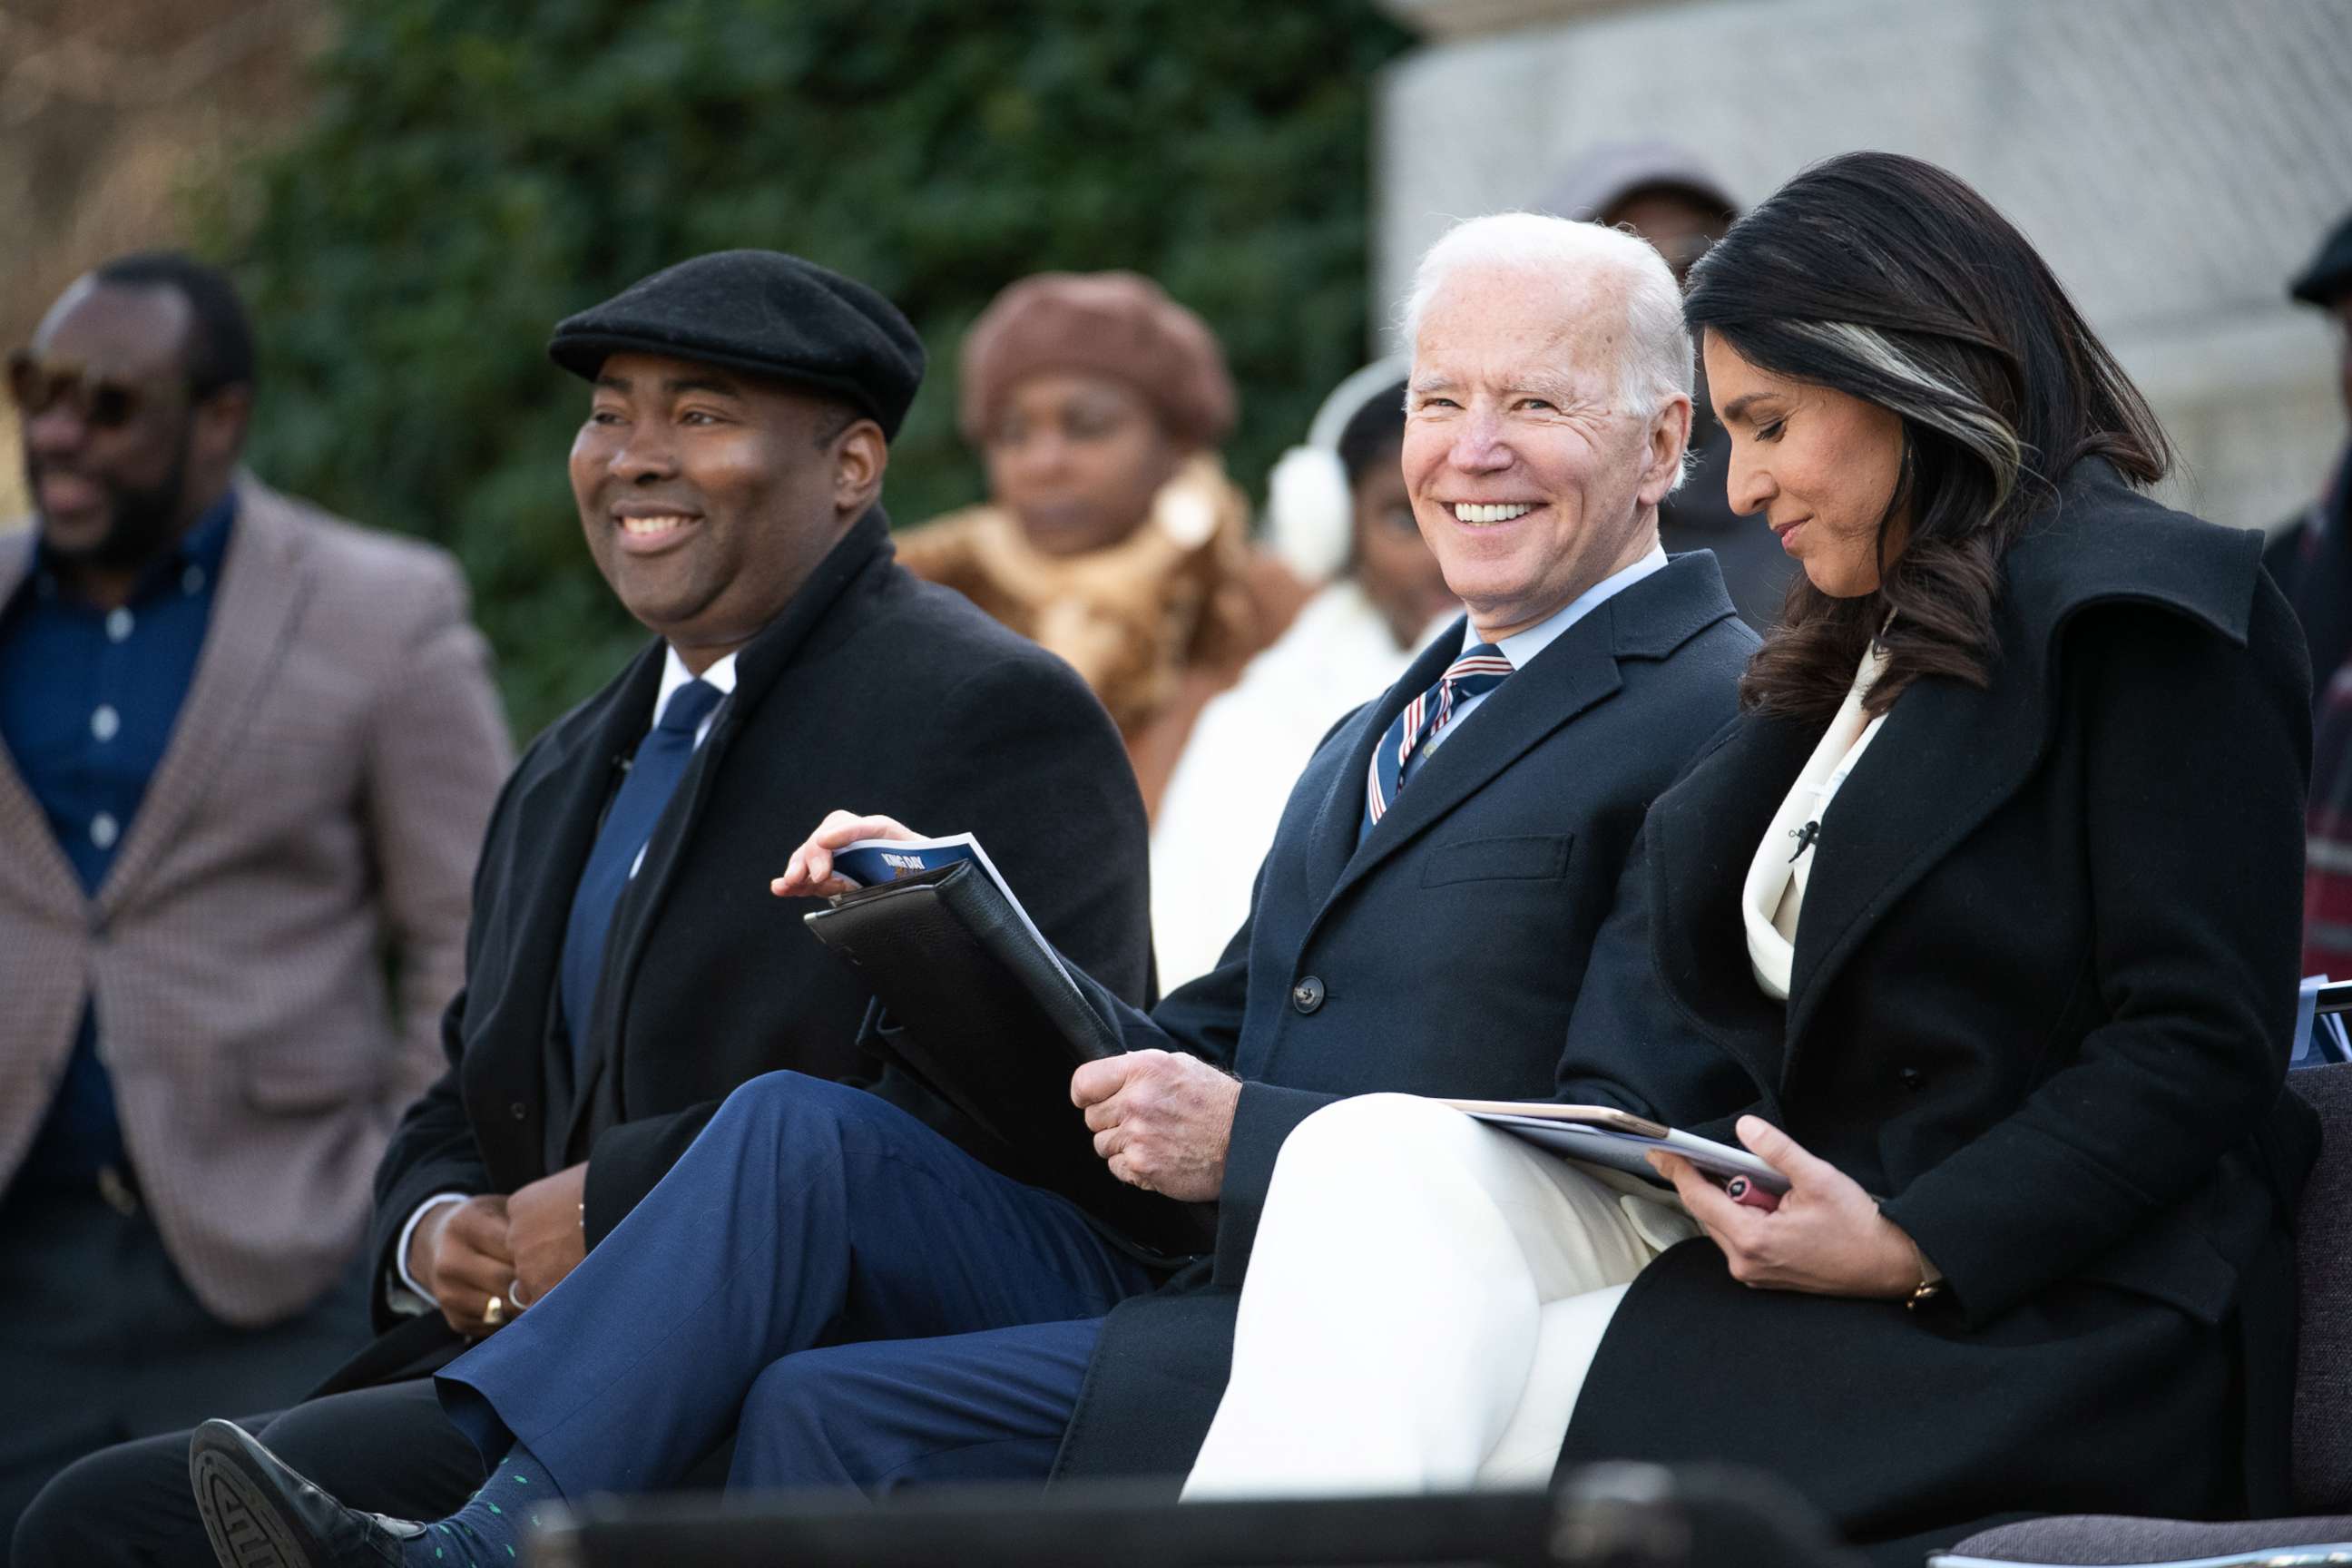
<point x="487" y="1532"/>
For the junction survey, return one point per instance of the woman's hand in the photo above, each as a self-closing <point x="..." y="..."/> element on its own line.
<point x="1827" y="1238"/>
<point x="809" y="873"/>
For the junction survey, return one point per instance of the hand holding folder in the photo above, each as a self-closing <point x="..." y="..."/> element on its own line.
<point x="980" y="1010"/>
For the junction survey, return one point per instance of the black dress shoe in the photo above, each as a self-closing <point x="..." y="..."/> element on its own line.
<point x="259" y="1514"/>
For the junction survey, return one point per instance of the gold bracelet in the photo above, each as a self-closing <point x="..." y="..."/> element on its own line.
<point x="1931" y="1283"/>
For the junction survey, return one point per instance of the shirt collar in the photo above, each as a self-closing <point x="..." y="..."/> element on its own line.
<point x="1521" y="647"/>
<point x="721" y="674"/>
<point x="206" y="544"/>
<point x="203" y="546"/>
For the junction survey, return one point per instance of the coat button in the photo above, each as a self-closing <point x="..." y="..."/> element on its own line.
<point x="1307" y="994"/>
<point x="1912" y="1078"/>
<point x="517" y="1110"/>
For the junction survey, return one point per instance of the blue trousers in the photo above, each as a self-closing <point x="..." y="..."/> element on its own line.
<point x="805" y="1214"/>
<point x="988" y="1406"/>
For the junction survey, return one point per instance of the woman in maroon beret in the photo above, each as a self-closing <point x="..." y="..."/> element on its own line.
<point x="1111" y="534"/>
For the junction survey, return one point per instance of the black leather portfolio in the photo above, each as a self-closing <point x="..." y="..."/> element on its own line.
<point x="987" y="1020"/>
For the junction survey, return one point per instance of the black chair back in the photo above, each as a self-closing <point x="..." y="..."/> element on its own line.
<point x="2322" y="1236"/>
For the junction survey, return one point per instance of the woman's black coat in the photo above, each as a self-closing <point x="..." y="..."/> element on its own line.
<point x="2043" y="991"/>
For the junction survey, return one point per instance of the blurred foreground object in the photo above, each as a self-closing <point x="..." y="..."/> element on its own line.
<point x="1608" y="1516"/>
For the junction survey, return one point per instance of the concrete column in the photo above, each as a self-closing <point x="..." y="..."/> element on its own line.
<point x="2175" y="161"/>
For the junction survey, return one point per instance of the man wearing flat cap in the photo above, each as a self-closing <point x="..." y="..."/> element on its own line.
<point x="627" y="964"/>
<point x="1424" y="922"/>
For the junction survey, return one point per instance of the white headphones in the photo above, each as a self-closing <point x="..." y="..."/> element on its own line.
<point x="1309" y="510"/>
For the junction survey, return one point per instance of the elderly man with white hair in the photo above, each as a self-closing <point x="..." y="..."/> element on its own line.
<point x="1420" y="924"/>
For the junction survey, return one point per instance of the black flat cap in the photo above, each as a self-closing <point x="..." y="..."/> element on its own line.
<point x="764" y="313"/>
<point x="2329" y="277"/>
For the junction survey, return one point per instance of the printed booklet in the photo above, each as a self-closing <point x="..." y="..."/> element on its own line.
<point x="1616" y="1140"/>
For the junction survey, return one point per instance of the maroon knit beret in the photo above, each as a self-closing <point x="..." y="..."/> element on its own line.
<point x="1117" y="325"/>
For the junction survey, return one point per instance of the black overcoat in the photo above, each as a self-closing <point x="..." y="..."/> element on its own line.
<point x="2043" y="988"/>
<point x="871" y="691"/>
<point x="1443" y="956"/>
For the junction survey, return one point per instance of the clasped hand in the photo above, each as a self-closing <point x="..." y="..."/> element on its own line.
<point x="1826" y="1239"/>
<point x="517" y="1248"/>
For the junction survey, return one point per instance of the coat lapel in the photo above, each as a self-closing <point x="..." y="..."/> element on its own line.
<point x="1699" y="838"/>
<point x="265" y="583"/>
<point x="864" y="552"/>
<point x="1576" y="671"/>
<point x="1952" y="753"/>
<point x="1948" y="756"/>
<point x="558" y="813"/>
<point x="1337" y="824"/>
<point x="31" y="861"/>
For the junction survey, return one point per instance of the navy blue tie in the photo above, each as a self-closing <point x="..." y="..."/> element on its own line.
<point x="653" y="778"/>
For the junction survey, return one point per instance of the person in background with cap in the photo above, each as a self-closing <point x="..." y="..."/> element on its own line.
<point x="2311" y="555"/>
<point x="1668" y="196"/>
<point x="1111" y="536"/>
<point x="246" y="753"/>
<point x="2311" y="558"/>
<point x="627" y="966"/>
<point x="1338" y="513"/>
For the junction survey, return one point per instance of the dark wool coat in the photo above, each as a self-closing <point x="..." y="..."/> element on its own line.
<point x="1443" y="956"/>
<point x="2044" y="983"/>
<point x="871" y="691"/>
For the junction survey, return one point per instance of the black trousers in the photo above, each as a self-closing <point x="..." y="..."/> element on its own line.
<point x="101" y="1340"/>
<point x="388" y="1451"/>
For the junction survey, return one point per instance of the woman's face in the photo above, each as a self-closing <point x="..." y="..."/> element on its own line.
<point x="1821" y="466"/>
<point x="1076" y="458"/>
<point x="1393" y="561"/>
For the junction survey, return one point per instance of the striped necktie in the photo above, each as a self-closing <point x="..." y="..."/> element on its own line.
<point x="1479" y="670"/>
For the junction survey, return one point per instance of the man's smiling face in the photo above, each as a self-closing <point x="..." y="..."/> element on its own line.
<point x="1529" y="479"/>
<point x="709" y="497"/>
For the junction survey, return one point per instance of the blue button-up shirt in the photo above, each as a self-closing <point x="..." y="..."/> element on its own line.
<point x="88" y="700"/>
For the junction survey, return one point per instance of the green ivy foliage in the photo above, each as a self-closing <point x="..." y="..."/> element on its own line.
<point x="476" y="169"/>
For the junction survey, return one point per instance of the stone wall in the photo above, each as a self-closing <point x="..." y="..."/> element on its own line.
<point x="2175" y="160"/>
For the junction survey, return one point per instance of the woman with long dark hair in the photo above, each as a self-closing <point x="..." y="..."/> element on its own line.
<point x="1991" y="896"/>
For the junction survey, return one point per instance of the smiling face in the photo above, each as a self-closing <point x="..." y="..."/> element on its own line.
<point x="1820" y="465"/>
<point x="1076" y="459"/>
<point x="116" y="488"/>
<point x="1529" y="480"/>
<point x="708" y="496"/>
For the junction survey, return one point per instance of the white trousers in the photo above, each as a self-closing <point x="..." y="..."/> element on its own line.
<point x="1425" y="1298"/>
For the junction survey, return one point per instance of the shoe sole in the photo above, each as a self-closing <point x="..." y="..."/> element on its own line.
<point x="239" y="1521"/>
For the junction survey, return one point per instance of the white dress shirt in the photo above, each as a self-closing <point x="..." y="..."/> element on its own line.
<point x="1774" y="893"/>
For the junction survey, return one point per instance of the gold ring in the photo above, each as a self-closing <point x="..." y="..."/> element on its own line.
<point x="494" y="1312"/>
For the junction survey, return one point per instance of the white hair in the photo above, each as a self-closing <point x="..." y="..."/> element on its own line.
<point x="1653" y="362"/>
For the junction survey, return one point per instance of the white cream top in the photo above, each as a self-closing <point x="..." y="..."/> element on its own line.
<point x="1774" y="893"/>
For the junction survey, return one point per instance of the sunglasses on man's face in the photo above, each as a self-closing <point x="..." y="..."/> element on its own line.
<point x="101" y="402"/>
